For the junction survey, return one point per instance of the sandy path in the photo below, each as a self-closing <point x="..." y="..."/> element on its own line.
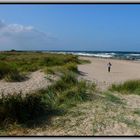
<point x="36" y="81"/>
<point x="121" y="71"/>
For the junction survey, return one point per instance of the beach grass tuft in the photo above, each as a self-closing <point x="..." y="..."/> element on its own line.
<point x="128" y="87"/>
<point x="112" y="98"/>
<point x="137" y="111"/>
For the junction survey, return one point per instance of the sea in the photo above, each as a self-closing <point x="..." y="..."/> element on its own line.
<point x="103" y="54"/>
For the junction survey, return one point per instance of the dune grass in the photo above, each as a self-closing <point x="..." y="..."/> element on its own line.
<point x="9" y="72"/>
<point x="56" y="99"/>
<point x="128" y="87"/>
<point x="137" y="111"/>
<point x="112" y="98"/>
<point x="62" y="69"/>
<point x="14" y="64"/>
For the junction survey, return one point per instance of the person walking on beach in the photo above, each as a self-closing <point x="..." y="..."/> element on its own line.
<point x="109" y="66"/>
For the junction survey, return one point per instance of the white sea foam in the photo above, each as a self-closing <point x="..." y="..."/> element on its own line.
<point x="133" y="54"/>
<point x="104" y="55"/>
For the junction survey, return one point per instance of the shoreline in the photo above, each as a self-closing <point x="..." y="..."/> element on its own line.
<point x="108" y="58"/>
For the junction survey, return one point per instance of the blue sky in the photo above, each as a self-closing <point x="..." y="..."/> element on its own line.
<point x="70" y="27"/>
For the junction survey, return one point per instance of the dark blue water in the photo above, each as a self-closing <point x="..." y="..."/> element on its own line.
<point x="103" y="54"/>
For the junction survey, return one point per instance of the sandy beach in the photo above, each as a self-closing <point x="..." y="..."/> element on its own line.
<point x="121" y="71"/>
<point x="37" y="80"/>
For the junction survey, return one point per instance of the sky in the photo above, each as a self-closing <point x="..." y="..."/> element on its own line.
<point x="84" y="27"/>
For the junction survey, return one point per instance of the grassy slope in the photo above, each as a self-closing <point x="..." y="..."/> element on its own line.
<point x="57" y="99"/>
<point x="128" y="87"/>
<point x="14" y="65"/>
<point x="108" y="114"/>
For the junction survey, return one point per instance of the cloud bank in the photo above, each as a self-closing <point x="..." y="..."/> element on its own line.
<point x="19" y="37"/>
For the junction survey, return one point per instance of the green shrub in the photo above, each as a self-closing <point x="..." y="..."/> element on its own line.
<point x="131" y="87"/>
<point x="82" y="61"/>
<point x="29" y="68"/>
<point x="112" y="98"/>
<point x="71" y="67"/>
<point x="58" y="60"/>
<point x="51" y="61"/>
<point x="29" y="61"/>
<point x="10" y="72"/>
<point x="6" y="69"/>
<point x="68" y="91"/>
<point x="74" y="95"/>
<point x="3" y="57"/>
<point x="15" y="108"/>
<point x="69" y="77"/>
<point x="50" y="70"/>
<point x="137" y="111"/>
<point x="15" y="77"/>
<point x="66" y="80"/>
<point x="71" y="59"/>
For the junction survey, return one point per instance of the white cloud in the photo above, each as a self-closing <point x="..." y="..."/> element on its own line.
<point x="16" y="36"/>
<point x="18" y="28"/>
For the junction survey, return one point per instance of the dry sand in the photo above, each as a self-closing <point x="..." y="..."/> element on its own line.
<point x="121" y="71"/>
<point x="37" y="80"/>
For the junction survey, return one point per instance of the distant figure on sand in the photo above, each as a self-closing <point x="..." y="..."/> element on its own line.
<point x="109" y="66"/>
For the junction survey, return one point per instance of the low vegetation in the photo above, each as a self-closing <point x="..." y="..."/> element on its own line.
<point x="128" y="87"/>
<point x="137" y="111"/>
<point x="57" y="98"/>
<point x="78" y="109"/>
<point x="62" y="69"/>
<point x="112" y="98"/>
<point x="13" y="64"/>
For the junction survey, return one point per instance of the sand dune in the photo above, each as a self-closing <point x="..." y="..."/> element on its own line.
<point x="121" y="71"/>
<point x="37" y="80"/>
